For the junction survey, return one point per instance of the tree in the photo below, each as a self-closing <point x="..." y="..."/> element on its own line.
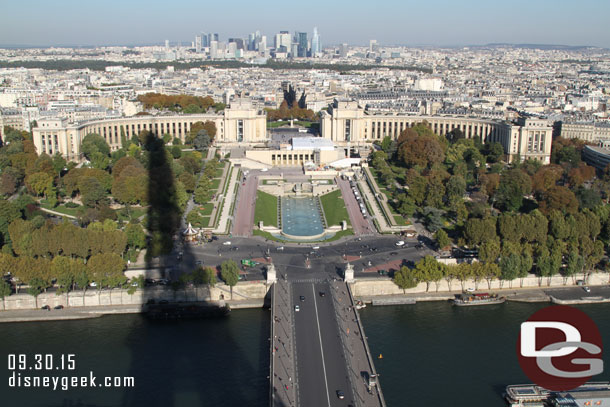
<point x="201" y="141"/>
<point x="5" y="291"/>
<point x="494" y="152"/>
<point x="490" y="271"/>
<point x="489" y="251"/>
<point x="477" y="231"/>
<point x="405" y="278"/>
<point x="106" y="269"/>
<point x="574" y="265"/>
<point x="428" y="270"/>
<point x="136" y="237"/>
<point x="210" y="276"/>
<point x="229" y="272"/>
<point x="93" y="143"/>
<point x="560" y="198"/>
<point x="8" y="183"/>
<point x="417" y="150"/>
<point x="39" y="183"/>
<point x="509" y="267"/>
<point x="176" y="152"/>
<point x="442" y="239"/>
<point x="92" y="192"/>
<point x="514" y="184"/>
<point x="455" y="189"/>
<point x="433" y="218"/>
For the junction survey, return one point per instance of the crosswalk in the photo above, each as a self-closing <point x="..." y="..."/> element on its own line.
<point x="309" y="280"/>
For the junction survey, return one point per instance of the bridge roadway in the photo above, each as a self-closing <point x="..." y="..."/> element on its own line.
<point x="318" y="350"/>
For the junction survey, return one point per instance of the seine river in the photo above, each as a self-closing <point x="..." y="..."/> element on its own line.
<point x="433" y="354"/>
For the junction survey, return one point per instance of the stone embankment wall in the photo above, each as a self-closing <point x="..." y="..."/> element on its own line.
<point x="245" y="291"/>
<point x="364" y="287"/>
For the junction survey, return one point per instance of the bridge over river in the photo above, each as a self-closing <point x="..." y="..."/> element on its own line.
<point x="319" y="355"/>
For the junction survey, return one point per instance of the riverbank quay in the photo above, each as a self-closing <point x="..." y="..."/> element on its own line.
<point x="95" y="303"/>
<point x="559" y="295"/>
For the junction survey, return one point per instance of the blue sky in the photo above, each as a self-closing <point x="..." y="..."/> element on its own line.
<point x="423" y="22"/>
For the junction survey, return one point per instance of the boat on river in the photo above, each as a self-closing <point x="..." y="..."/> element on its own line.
<point x="531" y="395"/>
<point x="472" y="299"/>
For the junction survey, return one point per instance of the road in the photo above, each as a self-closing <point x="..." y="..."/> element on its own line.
<point x="321" y="364"/>
<point x="360" y="224"/>
<point x="244" y="212"/>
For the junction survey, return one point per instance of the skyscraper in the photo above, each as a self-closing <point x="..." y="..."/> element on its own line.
<point x="282" y="40"/>
<point x="316" y="46"/>
<point x="301" y="39"/>
<point x="198" y="43"/>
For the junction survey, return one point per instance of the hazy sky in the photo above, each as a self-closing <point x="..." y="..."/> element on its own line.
<point x="422" y="22"/>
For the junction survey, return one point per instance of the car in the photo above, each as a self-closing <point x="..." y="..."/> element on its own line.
<point x="302" y="298"/>
<point x="46" y="307"/>
<point x="199" y="262"/>
<point x="587" y="289"/>
<point x="315" y="247"/>
<point x="340" y="395"/>
<point x="322" y="294"/>
<point x="280" y="248"/>
<point x="470" y="290"/>
<point x="162" y="281"/>
<point x="393" y="253"/>
<point x="400" y="243"/>
<point x="135" y="284"/>
<point x="297" y="308"/>
<point x="264" y="169"/>
<point x="93" y="284"/>
<point x="58" y="307"/>
<point x="226" y="244"/>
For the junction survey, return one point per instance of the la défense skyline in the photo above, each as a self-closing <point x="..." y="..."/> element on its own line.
<point x="447" y="23"/>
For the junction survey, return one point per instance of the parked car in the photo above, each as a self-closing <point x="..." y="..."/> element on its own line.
<point x="400" y="243"/>
<point x="587" y="289"/>
<point x="226" y="244"/>
<point x="93" y="284"/>
<point x="46" y="307"/>
<point x="58" y="307"/>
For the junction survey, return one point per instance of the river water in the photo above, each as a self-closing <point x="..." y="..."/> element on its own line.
<point x="433" y="355"/>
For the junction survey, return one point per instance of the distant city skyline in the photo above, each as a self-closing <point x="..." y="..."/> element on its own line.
<point x="392" y="22"/>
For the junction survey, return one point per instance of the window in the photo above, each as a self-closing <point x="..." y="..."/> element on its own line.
<point x="348" y="129"/>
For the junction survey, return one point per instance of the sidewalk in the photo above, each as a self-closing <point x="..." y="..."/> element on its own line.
<point x="29" y="315"/>
<point x="283" y="370"/>
<point x="359" y="361"/>
<point x="223" y="224"/>
<point x="219" y="194"/>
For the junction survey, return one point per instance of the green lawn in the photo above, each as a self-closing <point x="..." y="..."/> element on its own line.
<point x="207" y="209"/>
<point x="400" y="221"/>
<point x="218" y="173"/>
<point x="215" y="184"/>
<point x="266" y="209"/>
<point x="205" y="221"/>
<point x="334" y="208"/>
<point x="134" y="211"/>
<point x="266" y="235"/>
<point x="60" y="208"/>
